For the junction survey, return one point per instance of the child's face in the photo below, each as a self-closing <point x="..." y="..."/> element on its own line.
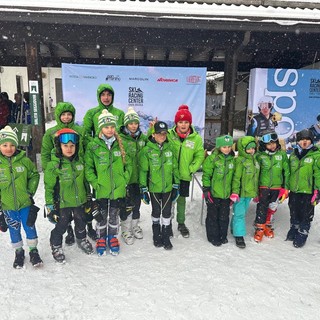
<point x="106" y="98"/>
<point x="133" y="126"/>
<point x="183" y="126"/>
<point x="251" y="151"/>
<point x="225" y="150"/>
<point x="304" y="143"/>
<point x="160" y="137"/>
<point x="66" y="117"/>
<point x="68" y="149"/>
<point x="108" y="131"/>
<point x="271" y="146"/>
<point x="7" y="149"/>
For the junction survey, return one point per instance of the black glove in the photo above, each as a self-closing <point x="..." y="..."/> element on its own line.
<point x="32" y="216"/>
<point x="129" y="198"/>
<point x="96" y="211"/>
<point x="207" y="195"/>
<point x="3" y="223"/>
<point x="88" y="207"/>
<point x="53" y="215"/>
<point x="175" y="192"/>
<point x="145" y="195"/>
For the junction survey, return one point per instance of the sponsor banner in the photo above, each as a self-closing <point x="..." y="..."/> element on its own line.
<point x="295" y="94"/>
<point x="151" y="91"/>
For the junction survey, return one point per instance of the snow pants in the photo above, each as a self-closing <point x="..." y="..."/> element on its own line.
<point x="238" y="221"/>
<point x="267" y="206"/>
<point x="132" y="203"/>
<point x="161" y="207"/>
<point x="181" y="201"/>
<point x="14" y="221"/>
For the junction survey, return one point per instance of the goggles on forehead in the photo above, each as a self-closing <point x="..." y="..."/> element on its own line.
<point x="66" y="137"/>
<point x="270" y="137"/>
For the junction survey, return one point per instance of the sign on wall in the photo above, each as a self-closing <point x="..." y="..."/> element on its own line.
<point x="34" y="101"/>
<point x="151" y="91"/>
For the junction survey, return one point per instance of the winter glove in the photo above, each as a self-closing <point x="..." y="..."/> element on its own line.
<point x="145" y="195"/>
<point x="88" y="208"/>
<point x="3" y="223"/>
<point x="315" y="197"/>
<point x="283" y="194"/>
<point x="32" y="216"/>
<point x="175" y="192"/>
<point x="129" y="198"/>
<point x="53" y="215"/>
<point x="207" y="195"/>
<point x="234" y="197"/>
<point x="96" y="211"/>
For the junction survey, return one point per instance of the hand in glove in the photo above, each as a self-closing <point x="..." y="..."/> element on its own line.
<point x="283" y="194"/>
<point x="32" y="216"/>
<point x="145" y="195"/>
<point x="207" y="195"/>
<point x="52" y="214"/>
<point x="315" y="197"/>
<point x="96" y="211"/>
<point x="175" y="192"/>
<point x="3" y="223"/>
<point x="256" y="199"/>
<point x="234" y="197"/>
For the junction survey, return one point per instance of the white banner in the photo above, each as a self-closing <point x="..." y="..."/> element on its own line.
<point x="151" y="91"/>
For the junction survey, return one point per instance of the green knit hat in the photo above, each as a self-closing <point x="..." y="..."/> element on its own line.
<point x="251" y="145"/>
<point x="224" y="141"/>
<point x="131" y="116"/>
<point x="106" y="119"/>
<point x="8" y="135"/>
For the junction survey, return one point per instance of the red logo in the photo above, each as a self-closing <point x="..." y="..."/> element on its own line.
<point x="194" y="79"/>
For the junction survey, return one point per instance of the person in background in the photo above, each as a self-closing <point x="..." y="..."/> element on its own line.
<point x="304" y="187"/>
<point x="19" y="181"/>
<point x="315" y="130"/>
<point x="11" y="118"/>
<point x="218" y="170"/>
<point x="21" y="109"/>
<point x="4" y="112"/>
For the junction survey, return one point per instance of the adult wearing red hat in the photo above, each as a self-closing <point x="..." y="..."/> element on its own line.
<point x="188" y="148"/>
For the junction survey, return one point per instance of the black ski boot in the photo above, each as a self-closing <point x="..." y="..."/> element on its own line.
<point x="91" y="232"/>
<point x="240" y="242"/>
<point x="19" y="259"/>
<point x="157" y="239"/>
<point x="58" y="254"/>
<point x="183" y="230"/>
<point x="166" y="238"/>
<point x="70" y="240"/>
<point x="85" y="246"/>
<point x="35" y="258"/>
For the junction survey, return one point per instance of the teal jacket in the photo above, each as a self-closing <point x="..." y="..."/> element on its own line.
<point x="48" y="138"/>
<point x="90" y="120"/>
<point x="245" y="181"/>
<point x="106" y="170"/>
<point x="274" y="170"/>
<point x="305" y="171"/>
<point x="218" y="172"/>
<point x="69" y="177"/>
<point x="158" y="167"/>
<point x="19" y="181"/>
<point x="133" y="145"/>
<point x="188" y="151"/>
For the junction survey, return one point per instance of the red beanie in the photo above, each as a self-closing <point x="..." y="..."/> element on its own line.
<point x="183" y="114"/>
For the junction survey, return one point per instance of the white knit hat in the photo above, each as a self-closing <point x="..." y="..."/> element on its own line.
<point x="106" y="119"/>
<point x="8" y="135"/>
<point x="131" y="116"/>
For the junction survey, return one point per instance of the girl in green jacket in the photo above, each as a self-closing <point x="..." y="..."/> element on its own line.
<point x="19" y="181"/>
<point x="66" y="192"/>
<point x="217" y="176"/>
<point x="108" y="170"/>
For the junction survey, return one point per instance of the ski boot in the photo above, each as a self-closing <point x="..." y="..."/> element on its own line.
<point x="19" y="259"/>
<point x="157" y="239"/>
<point x="91" y="232"/>
<point x="166" y="238"/>
<point x="224" y="241"/>
<point x="35" y="258"/>
<point x="292" y="232"/>
<point x="101" y="246"/>
<point x="136" y="229"/>
<point x="85" y="246"/>
<point x="268" y="231"/>
<point x="126" y="232"/>
<point x="114" y="245"/>
<point x="300" y="238"/>
<point x="58" y="254"/>
<point x="70" y="240"/>
<point x="183" y="230"/>
<point x="240" y="242"/>
<point x="258" y="235"/>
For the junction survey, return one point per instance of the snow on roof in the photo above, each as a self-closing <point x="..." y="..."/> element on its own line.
<point x="284" y="16"/>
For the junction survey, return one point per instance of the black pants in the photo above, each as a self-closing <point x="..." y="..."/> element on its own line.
<point x="63" y="222"/>
<point x="161" y="205"/>
<point x="266" y="196"/>
<point x="217" y="220"/>
<point x="301" y="210"/>
<point x="133" y="200"/>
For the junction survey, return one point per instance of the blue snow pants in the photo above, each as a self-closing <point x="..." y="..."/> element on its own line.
<point x="238" y="221"/>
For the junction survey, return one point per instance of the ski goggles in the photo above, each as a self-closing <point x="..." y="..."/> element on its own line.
<point x="66" y="137"/>
<point x="270" y="137"/>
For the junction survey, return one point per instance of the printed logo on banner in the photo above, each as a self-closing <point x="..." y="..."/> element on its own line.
<point x="314" y="88"/>
<point x="138" y="79"/>
<point x="167" y="80"/>
<point x="135" y="97"/>
<point x="112" y="77"/>
<point x="193" y="79"/>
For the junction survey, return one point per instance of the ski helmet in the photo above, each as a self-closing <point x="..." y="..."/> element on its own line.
<point x="304" y="134"/>
<point x="265" y="99"/>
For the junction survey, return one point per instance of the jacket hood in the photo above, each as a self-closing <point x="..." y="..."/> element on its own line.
<point x="102" y="88"/>
<point x="242" y="143"/>
<point x="64" y="107"/>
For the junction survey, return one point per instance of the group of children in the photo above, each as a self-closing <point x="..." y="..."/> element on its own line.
<point x="104" y="169"/>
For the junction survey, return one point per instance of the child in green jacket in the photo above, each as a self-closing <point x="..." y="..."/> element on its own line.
<point x="217" y="176"/>
<point x="159" y="175"/>
<point x="108" y="170"/>
<point x="66" y="192"/>
<point x="134" y="140"/>
<point x="304" y="187"/>
<point x="19" y="181"/>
